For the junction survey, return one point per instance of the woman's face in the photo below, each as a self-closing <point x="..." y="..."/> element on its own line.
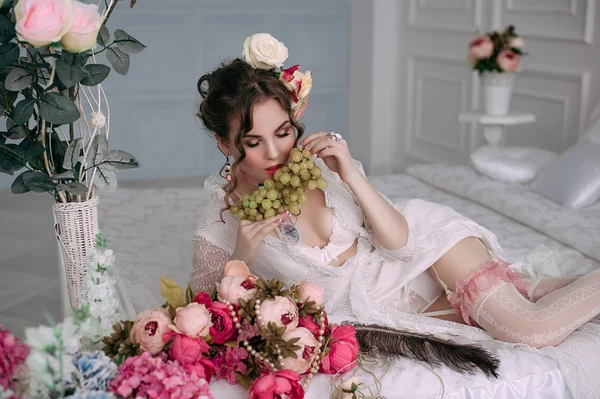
<point x="267" y="145"/>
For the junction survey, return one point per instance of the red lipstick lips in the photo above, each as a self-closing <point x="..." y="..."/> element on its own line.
<point x="271" y="169"/>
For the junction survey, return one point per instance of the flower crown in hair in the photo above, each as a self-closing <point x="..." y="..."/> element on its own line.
<point x="263" y="51"/>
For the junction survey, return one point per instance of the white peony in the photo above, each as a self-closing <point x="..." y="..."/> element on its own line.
<point x="263" y="51"/>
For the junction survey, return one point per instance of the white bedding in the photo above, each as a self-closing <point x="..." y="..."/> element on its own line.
<point x="151" y="232"/>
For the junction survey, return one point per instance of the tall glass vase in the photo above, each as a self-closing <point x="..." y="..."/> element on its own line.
<point x="497" y="89"/>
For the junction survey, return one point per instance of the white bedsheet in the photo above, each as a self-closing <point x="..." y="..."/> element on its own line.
<point x="151" y="232"/>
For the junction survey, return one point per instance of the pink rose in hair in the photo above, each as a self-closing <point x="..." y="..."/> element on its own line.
<point x="275" y="385"/>
<point x="232" y="288"/>
<point x="41" y="22"/>
<point x="343" y="350"/>
<point x="481" y="47"/>
<point x="148" y="330"/>
<point x="310" y="291"/>
<point x="192" y="320"/>
<point x="84" y="31"/>
<point x="307" y="352"/>
<point x="508" y="61"/>
<point x="280" y="310"/>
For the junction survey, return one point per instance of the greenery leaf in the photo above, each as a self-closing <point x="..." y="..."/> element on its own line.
<point x="74" y="188"/>
<point x="68" y="175"/>
<point x="106" y="179"/>
<point x="18" y="79"/>
<point x="98" y="151"/>
<point x="126" y="43"/>
<point x="18" y="186"/>
<point x="12" y="158"/>
<point x="119" y="160"/>
<point x="14" y="131"/>
<point x="189" y="294"/>
<point x="38" y="182"/>
<point x="96" y="74"/>
<point x="9" y="54"/>
<point x="58" y="109"/>
<point x="33" y="150"/>
<point x="103" y="36"/>
<point x="72" y="154"/>
<point x="23" y="111"/>
<point x="118" y="59"/>
<point x="7" y="29"/>
<point x="245" y="381"/>
<point x="172" y="292"/>
<point x="70" y="75"/>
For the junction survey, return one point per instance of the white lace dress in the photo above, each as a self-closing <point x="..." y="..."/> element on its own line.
<point x="373" y="286"/>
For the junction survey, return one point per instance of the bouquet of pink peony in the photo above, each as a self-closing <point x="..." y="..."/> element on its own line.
<point x="497" y="51"/>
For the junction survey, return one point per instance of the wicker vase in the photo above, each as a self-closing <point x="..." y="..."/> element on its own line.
<point x="76" y="226"/>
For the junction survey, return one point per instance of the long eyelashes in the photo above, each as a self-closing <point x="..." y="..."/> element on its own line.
<point x="252" y="145"/>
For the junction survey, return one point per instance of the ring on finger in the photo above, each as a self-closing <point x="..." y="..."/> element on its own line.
<point x="334" y="136"/>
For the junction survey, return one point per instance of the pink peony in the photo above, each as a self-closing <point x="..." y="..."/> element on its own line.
<point x="306" y="354"/>
<point x="343" y="350"/>
<point x="41" y="22"/>
<point x="204" y="369"/>
<point x="310" y="291"/>
<point x="148" y="330"/>
<point x="237" y="268"/>
<point x="233" y="288"/>
<point x="12" y="358"/>
<point x="187" y="350"/>
<point x="275" y="385"/>
<point x="280" y="310"/>
<point x="151" y="377"/>
<point x="223" y="328"/>
<point x="229" y="362"/>
<point x="84" y="30"/>
<point x="192" y="320"/>
<point x="203" y="299"/>
<point x="508" y="61"/>
<point x="481" y="47"/>
<point x="308" y="322"/>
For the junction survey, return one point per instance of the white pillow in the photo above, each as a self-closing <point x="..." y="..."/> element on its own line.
<point x="511" y="164"/>
<point x="573" y="179"/>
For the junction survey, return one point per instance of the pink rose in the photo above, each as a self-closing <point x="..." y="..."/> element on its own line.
<point x="41" y="22"/>
<point x="192" y="320"/>
<point x="299" y="107"/>
<point x="343" y="350"/>
<point x="307" y="352"/>
<point x="148" y="330"/>
<point x="308" y="322"/>
<point x="481" y="47"/>
<point x="280" y="310"/>
<point x="84" y="30"/>
<point x="223" y="327"/>
<point x="232" y="288"/>
<point x="508" y="61"/>
<point x="310" y="291"/>
<point x="187" y="350"/>
<point x="298" y="85"/>
<point x="275" y="385"/>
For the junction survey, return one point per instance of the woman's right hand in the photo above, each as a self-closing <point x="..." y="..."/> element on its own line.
<point x="250" y="235"/>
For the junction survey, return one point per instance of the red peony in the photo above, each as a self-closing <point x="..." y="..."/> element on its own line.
<point x="275" y="385"/>
<point x="343" y="350"/>
<point x="222" y="329"/>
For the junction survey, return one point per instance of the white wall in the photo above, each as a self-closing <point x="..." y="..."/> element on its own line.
<point x="410" y="59"/>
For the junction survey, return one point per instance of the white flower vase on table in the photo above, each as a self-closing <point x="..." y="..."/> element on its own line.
<point x="56" y="136"/>
<point x="497" y="89"/>
<point x="496" y="56"/>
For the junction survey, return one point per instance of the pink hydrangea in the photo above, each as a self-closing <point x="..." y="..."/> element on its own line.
<point x="152" y="377"/>
<point x="230" y="361"/>
<point x="12" y="356"/>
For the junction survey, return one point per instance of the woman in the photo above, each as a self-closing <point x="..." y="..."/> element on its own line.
<point x="378" y="261"/>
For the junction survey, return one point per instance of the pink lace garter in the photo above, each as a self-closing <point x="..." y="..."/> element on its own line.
<point x="479" y="282"/>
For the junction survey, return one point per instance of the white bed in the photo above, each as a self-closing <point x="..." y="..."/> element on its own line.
<point x="151" y="232"/>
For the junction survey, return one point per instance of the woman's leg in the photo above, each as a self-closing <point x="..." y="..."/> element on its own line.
<point x="487" y="293"/>
<point x="548" y="285"/>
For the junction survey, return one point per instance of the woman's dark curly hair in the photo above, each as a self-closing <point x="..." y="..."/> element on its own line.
<point x="229" y="94"/>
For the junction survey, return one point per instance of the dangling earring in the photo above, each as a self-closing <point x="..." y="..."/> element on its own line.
<point x="226" y="169"/>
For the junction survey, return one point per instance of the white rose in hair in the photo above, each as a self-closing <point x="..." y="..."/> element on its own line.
<point x="263" y="51"/>
<point x="516" y="42"/>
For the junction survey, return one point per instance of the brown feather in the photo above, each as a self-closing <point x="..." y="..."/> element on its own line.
<point x="389" y="342"/>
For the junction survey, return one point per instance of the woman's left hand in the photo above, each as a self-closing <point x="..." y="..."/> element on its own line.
<point x="335" y="154"/>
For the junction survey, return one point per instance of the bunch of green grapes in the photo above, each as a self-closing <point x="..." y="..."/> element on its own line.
<point x="285" y="192"/>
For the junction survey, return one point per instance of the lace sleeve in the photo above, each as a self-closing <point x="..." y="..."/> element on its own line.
<point x="208" y="264"/>
<point x="404" y="254"/>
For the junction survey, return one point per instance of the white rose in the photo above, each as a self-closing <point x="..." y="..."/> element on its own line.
<point x="263" y="51"/>
<point x="516" y="42"/>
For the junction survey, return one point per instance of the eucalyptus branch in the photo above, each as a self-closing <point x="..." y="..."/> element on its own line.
<point x="113" y="4"/>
